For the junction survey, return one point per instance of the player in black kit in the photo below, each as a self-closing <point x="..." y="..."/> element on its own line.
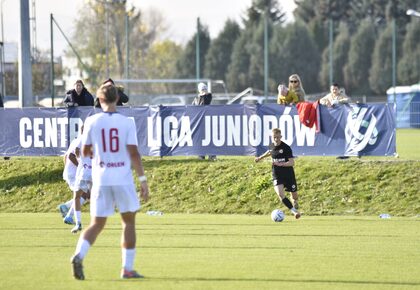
<point x="282" y="169"/>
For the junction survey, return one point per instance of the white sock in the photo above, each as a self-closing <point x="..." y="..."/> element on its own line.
<point x="128" y="256"/>
<point x="82" y="248"/>
<point x="293" y="210"/>
<point x="78" y="216"/>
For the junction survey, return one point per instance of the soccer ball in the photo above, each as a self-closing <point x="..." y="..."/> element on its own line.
<point x="277" y="215"/>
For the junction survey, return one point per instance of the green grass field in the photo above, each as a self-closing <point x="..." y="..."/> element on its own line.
<point x="180" y="251"/>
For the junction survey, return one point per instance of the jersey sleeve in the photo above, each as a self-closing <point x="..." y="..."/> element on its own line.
<point x="86" y="136"/>
<point x="289" y="152"/>
<point x="132" y="133"/>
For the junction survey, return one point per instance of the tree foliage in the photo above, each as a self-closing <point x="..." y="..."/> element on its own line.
<point x="219" y="54"/>
<point x="356" y="71"/>
<point x="409" y="65"/>
<point x="186" y="64"/>
<point x="340" y="56"/>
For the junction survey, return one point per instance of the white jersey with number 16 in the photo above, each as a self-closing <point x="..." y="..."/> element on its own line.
<point x="109" y="134"/>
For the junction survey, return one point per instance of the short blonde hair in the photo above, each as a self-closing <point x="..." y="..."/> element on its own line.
<point x="275" y="131"/>
<point x="108" y="93"/>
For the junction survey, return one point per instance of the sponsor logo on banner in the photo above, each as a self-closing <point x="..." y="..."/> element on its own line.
<point x="360" y="130"/>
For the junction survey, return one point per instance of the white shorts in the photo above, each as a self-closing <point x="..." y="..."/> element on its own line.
<point x="104" y="199"/>
<point x="83" y="185"/>
<point x="71" y="184"/>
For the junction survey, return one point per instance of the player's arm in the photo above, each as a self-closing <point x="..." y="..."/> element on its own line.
<point x="138" y="167"/>
<point x="266" y="154"/>
<point x="87" y="151"/>
<point x="73" y="159"/>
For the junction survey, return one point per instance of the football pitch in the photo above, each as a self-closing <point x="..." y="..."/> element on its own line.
<point x="192" y="251"/>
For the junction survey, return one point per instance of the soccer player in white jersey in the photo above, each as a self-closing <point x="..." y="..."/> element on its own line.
<point x="111" y="139"/>
<point x="82" y="187"/>
<point x="72" y="170"/>
<point x="69" y="175"/>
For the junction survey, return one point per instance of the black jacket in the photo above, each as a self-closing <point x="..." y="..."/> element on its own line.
<point x="203" y="99"/>
<point x="123" y="99"/>
<point x="84" y="99"/>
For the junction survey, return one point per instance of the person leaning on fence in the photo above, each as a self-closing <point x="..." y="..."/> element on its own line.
<point x="120" y="89"/>
<point x="335" y="97"/>
<point x="203" y="98"/>
<point x="285" y="96"/>
<point x="79" y="96"/>
<point x="295" y="85"/>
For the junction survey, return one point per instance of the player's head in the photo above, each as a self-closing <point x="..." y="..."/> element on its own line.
<point x="78" y="86"/>
<point x="107" y="93"/>
<point x="202" y="88"/>
<point x="276" y="132"/>
<point x="335" y="89"/>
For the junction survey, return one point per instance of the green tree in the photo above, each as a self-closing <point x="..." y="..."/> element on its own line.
<point x="219" y="55"/>
<point x="237" y="76"/>
<point x="356" y="71"/>
<point x="409" y="64"/>
<point x="299" y="54"/>
<point x="380" y="73"/>
<point x="186" y="64"/>
<point x="340" y="56"/>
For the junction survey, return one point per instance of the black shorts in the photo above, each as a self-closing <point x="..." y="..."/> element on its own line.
<point x="288" y="183"/>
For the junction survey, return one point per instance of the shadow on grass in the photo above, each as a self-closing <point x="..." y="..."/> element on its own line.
<point x="326" y="281"/>
<point x="31" y="178"/>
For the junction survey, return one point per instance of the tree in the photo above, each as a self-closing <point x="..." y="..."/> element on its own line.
<point x="256" y="13"/>
<point x="186" y="64"/>
<point x="90" y="43"/>
<point x="299" y="54"/>
<point x="340" y="56"/>
<point x="356" y="71"/>
<point x="237" y="76"/>
<point x="380" y="73"/>
<point x="409" y="65"/>
<point x="219" y="54"/>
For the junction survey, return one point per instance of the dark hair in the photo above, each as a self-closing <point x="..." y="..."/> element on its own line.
<point x="335" y="85"/>
<point x="108" y="80"/>
<point x="79" y="82"/>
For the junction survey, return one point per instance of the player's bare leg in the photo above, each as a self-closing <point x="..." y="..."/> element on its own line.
<point x="86" y="240"/>
<point x="295" y="198"/>
<point x="128" y="245"/>
<point x="279" y="189"/>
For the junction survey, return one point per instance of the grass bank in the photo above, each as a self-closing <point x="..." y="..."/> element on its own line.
<point x="327" y="186"/>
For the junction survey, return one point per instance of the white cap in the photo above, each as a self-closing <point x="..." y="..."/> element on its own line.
<point x="202" y="87"/>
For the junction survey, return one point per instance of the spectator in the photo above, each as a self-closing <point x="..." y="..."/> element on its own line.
<point x="1" y="101"/>
<point x="79" y="96"/>
<point x="285" y="96"/>
<point x="335" y="97"/>
<point x="204" y="98"/>
<point x="120" y="89"/>
<point x="295" y="85"/>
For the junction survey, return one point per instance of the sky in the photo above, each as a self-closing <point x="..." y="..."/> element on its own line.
<point x="180" y="17"/>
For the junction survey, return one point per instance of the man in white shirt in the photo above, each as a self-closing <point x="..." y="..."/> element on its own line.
<point x="335" y="97"/>
<point x="111" y="139"/>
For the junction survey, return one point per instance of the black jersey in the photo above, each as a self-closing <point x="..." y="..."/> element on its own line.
<point x="282" y="153"/>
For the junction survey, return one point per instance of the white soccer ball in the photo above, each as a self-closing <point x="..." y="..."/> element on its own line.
<point x="277" y="215"/>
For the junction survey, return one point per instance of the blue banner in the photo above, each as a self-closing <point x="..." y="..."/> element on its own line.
<point x="209" y="130"/>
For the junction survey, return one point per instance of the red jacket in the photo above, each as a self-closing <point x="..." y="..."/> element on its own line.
<point x="309" y="114"/>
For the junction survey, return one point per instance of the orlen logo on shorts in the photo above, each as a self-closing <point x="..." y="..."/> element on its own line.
<point x="111" y="164"/>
